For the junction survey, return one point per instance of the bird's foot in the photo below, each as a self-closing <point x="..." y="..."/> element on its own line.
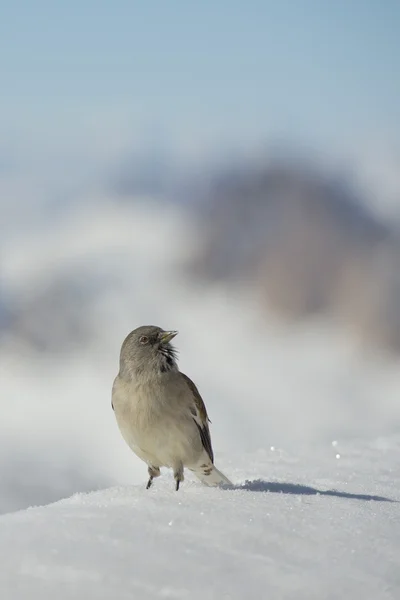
<point x="153" y="472"/>
<point x="178" y="475"/>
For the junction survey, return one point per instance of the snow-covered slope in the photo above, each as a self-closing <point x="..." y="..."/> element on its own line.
<point x="285" y="533"/>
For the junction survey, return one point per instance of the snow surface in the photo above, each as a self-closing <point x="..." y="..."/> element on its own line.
<point x="272" y="537"/>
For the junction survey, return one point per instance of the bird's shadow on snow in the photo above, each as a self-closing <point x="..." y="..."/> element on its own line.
<point x="276" y="487"/>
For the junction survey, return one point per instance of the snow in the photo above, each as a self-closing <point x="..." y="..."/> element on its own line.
<point x="272" y="537"/>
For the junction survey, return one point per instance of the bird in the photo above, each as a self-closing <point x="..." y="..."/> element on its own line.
<point x="159" y="410"/>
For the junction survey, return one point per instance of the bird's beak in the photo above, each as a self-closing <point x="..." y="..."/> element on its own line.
<point x="167" y="336"/>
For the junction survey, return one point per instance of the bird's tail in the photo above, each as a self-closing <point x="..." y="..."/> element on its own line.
<point x="211" y="476"/>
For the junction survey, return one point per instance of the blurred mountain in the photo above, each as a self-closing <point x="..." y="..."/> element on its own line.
<point x="301" y="238"/>
<point x="308" y="245"/>
<point x="55" y="316"/>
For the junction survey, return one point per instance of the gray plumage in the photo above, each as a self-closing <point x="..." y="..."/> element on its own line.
<point x="159" y="410"/>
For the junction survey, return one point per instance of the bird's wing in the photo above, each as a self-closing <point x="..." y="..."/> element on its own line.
<point x="200" y="417"/>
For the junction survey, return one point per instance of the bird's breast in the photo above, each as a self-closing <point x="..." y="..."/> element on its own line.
<point x="136" y="406"/>
<point x="154" y="422"/>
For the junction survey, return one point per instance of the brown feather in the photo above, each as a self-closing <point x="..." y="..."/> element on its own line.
<point x="203" y="426"/>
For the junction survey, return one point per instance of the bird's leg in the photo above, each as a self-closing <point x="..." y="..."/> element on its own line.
<point x="178" y="475"/>
<point x="153" y="472"/>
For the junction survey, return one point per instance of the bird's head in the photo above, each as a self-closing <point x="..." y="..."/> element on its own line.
<point x="147" y="351"/>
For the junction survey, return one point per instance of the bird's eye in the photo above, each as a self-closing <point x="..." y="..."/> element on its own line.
<point x="143" y="339"/>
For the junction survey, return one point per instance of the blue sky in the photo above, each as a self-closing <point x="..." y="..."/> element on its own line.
<point x="217" y="70"/>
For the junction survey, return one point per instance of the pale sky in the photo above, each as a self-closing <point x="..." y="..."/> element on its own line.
<point x="215" y="70"/>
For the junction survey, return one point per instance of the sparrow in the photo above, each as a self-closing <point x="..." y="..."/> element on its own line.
<point x="159" y="410"/>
